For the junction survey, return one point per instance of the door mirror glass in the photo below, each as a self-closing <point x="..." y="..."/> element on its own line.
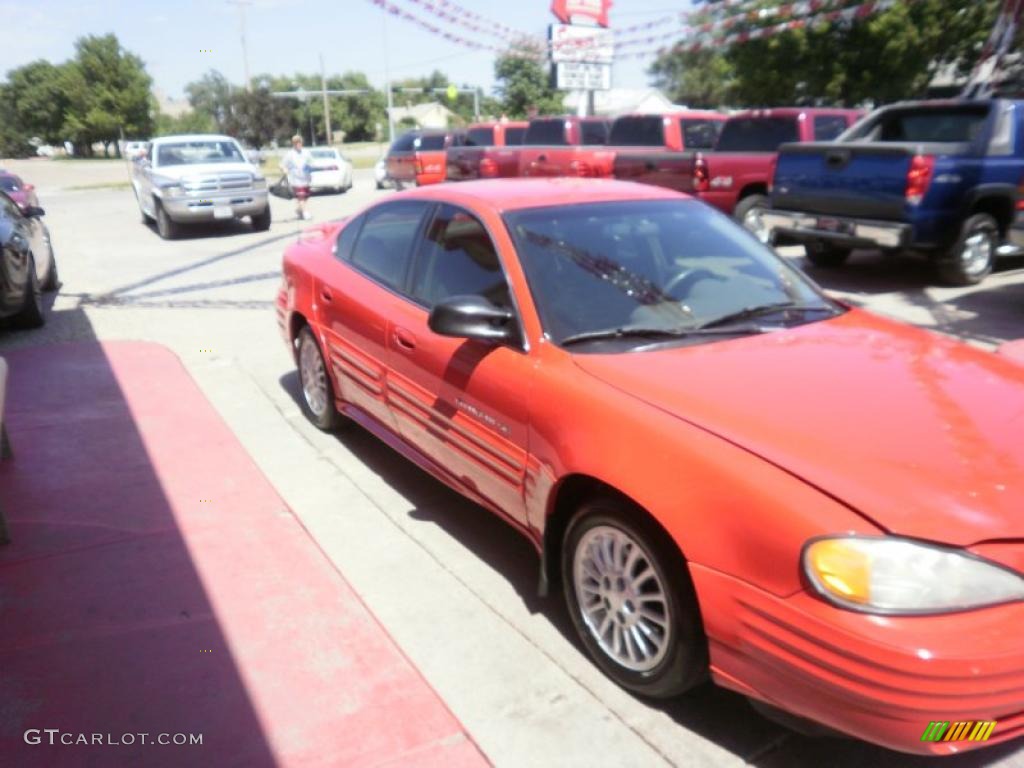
<point x="472" y="317"/>
<point x="33" y="211"/>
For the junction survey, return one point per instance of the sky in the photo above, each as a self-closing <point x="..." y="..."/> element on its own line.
<point x="287" y="36"/>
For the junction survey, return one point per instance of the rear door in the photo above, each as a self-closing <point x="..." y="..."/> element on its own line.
<point x="357" y="293"/>
<point x="463" y="403"/>
<point x="543" y="146"/>
<point x="401" y="160"/>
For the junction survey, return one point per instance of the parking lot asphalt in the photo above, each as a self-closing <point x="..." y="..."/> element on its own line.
<point x="454" y="587"/>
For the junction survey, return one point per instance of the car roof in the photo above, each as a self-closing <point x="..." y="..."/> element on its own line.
<point x="794" y="111"/>
<point x="193" y="137"/>
<point x="515" y="194"/>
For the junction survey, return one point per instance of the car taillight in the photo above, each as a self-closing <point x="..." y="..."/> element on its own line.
<point x="1020" y="195"/>
<point x="488" y="168"/>
<point x="579" y="168"/>
<point x="919" y="177"/>
<point x="701" y="179"/>
<point x="419" y="165"/>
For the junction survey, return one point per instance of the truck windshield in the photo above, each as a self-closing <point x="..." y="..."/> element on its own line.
<point x="546" y="132"/>
<point x="404" y="142"/>
<point x="953" y="124"/>
<point x="196" y="152"/>
<point x="647" y="131"/>
<point x="757" y="134"/>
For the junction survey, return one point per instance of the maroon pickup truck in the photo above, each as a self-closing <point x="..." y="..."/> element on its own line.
<point x="491" y="151"/>
<point x="565" y="146"/>
<point x="736" y="176"/>
<point x="661" y="149"/>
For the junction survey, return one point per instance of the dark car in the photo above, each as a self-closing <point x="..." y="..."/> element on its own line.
<point x="21" y="193"/>
<point x="27" y="265"/>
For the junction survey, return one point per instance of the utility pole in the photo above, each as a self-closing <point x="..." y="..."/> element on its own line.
<point x="387" y="82"/>
<point x="245" y="49"/>
<point x="327" y="103"/>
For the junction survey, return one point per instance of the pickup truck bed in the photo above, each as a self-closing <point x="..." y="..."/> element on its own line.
<point x="939" y="178"/>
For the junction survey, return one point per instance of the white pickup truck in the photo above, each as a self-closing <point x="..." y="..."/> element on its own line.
<point x="197" y="178"/>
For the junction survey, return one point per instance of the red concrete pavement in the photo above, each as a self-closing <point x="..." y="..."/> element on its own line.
<point x="157" y="584"/>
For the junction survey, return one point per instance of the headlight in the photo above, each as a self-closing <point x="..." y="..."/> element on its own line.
<point x="891" y="575"/>
<point x="172" y="190"/>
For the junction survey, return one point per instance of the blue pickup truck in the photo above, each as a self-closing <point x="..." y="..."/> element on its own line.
<point x="943" y="178"/>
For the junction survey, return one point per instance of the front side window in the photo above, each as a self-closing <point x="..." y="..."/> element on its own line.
<point x="593" y="132"/>
<point x="757" y="134"/>
<point x="924" y="124"/>
<point x="385" y="241"/>
<point x="663" y="265"/>
<point x="827" y="127"/>
<point x="480" y="137"/>
<point x="546" y="132"/>
<point x="514" y="136"/>
<point x="458" y="259"/>
<point x="198" y="152"/>
<point x="637" y="131"/>
<point x="699" y="133"/>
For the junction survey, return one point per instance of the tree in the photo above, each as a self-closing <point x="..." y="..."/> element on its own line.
<point x="37" y="101"/>
<point x="190" y="122"/>
<point x="14" y="140"/>
<point x="696" y="79"/>
<point x="523" y="85"/>
<point x="211" y="96"/>
<point x="891" y="55"/>
<point x="108" y="92"/>
<point x="257" y="118"/>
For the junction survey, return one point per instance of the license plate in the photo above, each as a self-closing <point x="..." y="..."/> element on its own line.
<point x="834" y="225"/>
<point x="223" y="212"/>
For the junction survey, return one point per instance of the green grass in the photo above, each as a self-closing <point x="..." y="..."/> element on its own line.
<point x="103" y="185"/>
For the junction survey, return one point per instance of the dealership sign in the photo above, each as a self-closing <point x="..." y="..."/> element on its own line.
<point x="586" y="11"/>
<point x="570" y="42"/>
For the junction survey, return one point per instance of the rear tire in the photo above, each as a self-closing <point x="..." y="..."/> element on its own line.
<point x="31" y="313"/>
<point x="261" y="221"/>
<point x="972" y="256"/>
<point x="748" y="214"/>
<point x="315" y="380"/>
<point x="826" y="255"/>
<point x="638" y="615"/>
<point x="166" y="227"/>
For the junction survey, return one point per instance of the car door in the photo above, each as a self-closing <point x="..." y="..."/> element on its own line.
<point x="356" y="293"/>
<point x="15" y="247"/>
<point x="462" y="402"/>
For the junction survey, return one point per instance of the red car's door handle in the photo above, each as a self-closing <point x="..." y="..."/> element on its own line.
<point x="326" y="296"/>
<point x="404" y="340"/>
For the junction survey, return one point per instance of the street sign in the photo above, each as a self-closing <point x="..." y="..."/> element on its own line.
<point x="587" y="11"/>
<point x="582" y="76"/>
<point x="452" y="92"/>
<point x="570" y="42"/>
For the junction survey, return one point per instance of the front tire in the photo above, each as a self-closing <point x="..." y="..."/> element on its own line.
<point x="631" y="600"/>
<point x="261" y="221"/>
<point x="826" y="255"/>
<point x="317" y="389"/>
<point x="166" y="227"/>
<point x="31" y="313"/>
<point x="972" y="256"/>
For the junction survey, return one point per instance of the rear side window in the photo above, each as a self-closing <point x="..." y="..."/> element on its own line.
<point x="347" y="238"/>
<point x="757" y="134"/>
<point x="431" y="142"/>
<point x="458" y="259"/>
<point x="514" y="136"/>
<point x="404" y="142"/>
<point x="593" y="132"/>
<point x="827" y="127"/>
<point x="956" y="124"/>
<point x="384" y="245"/>
<point x="700" y="134"/>
<point x="480" y="137"/>
<point x="637" y="132"/>
<point x="546" y="132"/>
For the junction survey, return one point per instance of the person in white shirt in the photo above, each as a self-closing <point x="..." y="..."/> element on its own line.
<point x="297" y="165"/>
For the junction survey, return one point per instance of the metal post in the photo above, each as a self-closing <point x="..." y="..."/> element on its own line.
<point x="476" y="104"/>
<point x="387" y="82"/>
<point x="245" y="48"/>
<point x="327" y="103"/>
<point x="309" y="116"/>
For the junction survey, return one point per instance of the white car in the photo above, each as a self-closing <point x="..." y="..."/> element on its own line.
<point x="134" y="149"/>
<point x="331" y="170"/>
<point x="380" y="173"/>
<point x="198" y="178"/>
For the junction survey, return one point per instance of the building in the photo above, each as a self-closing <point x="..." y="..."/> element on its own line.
<point x="429" y="115"/>
<point x="170" y="106"/>
<point x="621" y="101"/>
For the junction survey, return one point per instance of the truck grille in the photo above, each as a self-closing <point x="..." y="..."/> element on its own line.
<point x="218" y="182"/>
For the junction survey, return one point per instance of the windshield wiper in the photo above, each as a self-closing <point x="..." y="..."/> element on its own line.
<point x="765" y="309"/>
<point x="645" y="332"/>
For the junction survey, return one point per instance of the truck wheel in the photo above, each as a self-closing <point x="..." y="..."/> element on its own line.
<point x="166" y="227"/>
<point x="826" y="254"/>
<point x="631" y="600"/>
<point x="261" y="221"/>
<point x="750" y="214"/>
<point x="970" y="259"/>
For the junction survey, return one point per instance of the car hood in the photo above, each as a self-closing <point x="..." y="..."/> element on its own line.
<point x="921" y="434"/>
<point x="178" y="172"/>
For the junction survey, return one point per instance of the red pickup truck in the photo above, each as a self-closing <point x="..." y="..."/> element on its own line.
<point x="491" y="151"/>
<point x="419" y="156"/>
<point x="565" y="146"/>
<point x="736" y="176"/>
<point x="660" y="149"/>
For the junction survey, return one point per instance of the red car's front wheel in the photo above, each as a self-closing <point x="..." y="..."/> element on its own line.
<point x="630" y="601"/>
<point x="317" y="390"/>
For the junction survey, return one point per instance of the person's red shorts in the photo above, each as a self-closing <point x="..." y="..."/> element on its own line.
<point x="301" y="193"/>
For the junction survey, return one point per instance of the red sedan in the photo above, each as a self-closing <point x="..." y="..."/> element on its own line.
<point x="727" y="472"/>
